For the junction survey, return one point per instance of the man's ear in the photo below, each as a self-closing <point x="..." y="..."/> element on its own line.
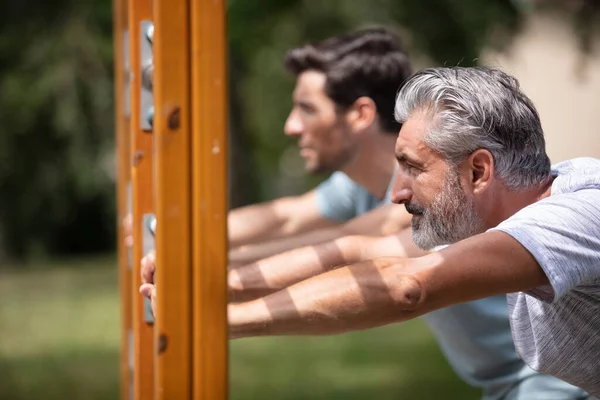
<point x="361" y="114"/>
<point x="481" y="170"/>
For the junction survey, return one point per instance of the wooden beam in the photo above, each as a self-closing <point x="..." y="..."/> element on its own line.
<point x="142" y="179"/>
<point x="209" y="181"/>
<point x="122" y="138"/>
<point x="173" y="328"/>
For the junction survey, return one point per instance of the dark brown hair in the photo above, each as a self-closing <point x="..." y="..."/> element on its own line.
<point x="370" y="62"/>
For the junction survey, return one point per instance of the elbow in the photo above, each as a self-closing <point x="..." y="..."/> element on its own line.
<point x="406" y="290"/>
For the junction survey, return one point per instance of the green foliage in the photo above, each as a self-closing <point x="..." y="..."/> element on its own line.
<point x="56" y="98"/>
<point x="56" y="130"/>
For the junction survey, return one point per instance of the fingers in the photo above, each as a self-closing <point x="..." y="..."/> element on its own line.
<point x="128" y="223"/>
<point x="148" y="267"/>
<point x="128" y="230"/>
<point x="149" y="290"/>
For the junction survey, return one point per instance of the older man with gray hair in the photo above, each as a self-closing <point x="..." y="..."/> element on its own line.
<point x="474" y="173"/>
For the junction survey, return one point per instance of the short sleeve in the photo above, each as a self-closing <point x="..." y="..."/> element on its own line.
<point x="337" y="197"/>
<point x="562" y="232"/>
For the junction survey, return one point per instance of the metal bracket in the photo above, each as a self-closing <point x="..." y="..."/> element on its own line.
<point x="147" y="68"/>
<point x="149" y="244"/>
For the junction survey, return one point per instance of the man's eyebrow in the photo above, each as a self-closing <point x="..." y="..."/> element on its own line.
<point x="303" y="103"/>
<point x="403" y="157"/>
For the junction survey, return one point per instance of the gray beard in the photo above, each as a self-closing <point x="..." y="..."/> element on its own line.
<point x="450" y="218"/>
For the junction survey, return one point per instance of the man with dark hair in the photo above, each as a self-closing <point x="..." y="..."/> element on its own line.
<point x="475" y="336"/>
<point x="368" y="63"/>
<point x="343" y="119"/>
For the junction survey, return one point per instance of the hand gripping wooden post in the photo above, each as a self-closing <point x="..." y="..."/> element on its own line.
<point x="176" y="166"/>
<point x="191" y="205"/>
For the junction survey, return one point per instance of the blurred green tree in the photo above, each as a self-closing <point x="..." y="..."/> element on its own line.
<point x="56" y="99"/>
<point x="55" y="131"/>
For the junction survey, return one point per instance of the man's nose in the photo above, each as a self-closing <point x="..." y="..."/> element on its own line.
<point x="401" y="192"/>
<point x="293" y="125"/>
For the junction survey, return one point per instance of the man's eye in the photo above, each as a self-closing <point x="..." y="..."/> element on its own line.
<point x="411" y="169"/>
<point x="307" y="109"/>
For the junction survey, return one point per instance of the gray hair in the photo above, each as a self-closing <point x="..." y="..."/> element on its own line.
<point x="479" y="108"/>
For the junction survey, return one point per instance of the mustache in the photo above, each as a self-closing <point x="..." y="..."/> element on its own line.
<point x="414" y="209"/>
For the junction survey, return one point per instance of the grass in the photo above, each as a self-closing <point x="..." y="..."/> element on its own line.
<point x="59" y="338"/>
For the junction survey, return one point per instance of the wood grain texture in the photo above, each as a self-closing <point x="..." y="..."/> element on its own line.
<point x="172" y="134"/>
<point x="209" y="176"/>
<point x="142" y="183"/>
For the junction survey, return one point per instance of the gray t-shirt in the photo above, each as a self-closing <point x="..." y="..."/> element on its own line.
<point x="556" y="327"/>
<point x="474" y="336"/>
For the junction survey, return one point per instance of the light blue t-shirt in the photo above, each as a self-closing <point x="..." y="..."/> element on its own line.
<point x="476" y="336"/>
<point x="340" y="199"/>
<point x="556" y="327"/>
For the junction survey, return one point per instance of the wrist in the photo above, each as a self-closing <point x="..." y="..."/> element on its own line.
<point x="234" y="285"/>
<point x="248" y="319"/>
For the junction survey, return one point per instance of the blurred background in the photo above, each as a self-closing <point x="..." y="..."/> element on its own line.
<point x="59" y="305"/>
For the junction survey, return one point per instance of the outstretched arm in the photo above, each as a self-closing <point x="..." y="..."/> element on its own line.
<point x="280" y="271"/>
<point x="383" y="221"/>
<point x="383" y="291"/>
<point x="278" y="218"/>
<point x="266" y="221"/>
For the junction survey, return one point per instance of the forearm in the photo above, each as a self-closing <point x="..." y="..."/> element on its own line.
<point x="282" y="270"/>
<point x="253" y="223"/>
<point x="382" y="291"/>
<point x="251" y="253"/>
<point x="350" y="298"/>
<point x="385" y="220"/>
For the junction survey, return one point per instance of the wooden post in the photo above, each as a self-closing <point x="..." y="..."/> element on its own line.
<point x="189" y="196"/>
<point x="209" y="182"/>
<point x="120" y="41"/>
<point x="142" y="178"/>
<point x="172" y="133"/>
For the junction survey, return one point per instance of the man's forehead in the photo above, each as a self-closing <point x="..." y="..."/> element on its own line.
<point x="309" y="82"/>
<point x="410" y="139"/>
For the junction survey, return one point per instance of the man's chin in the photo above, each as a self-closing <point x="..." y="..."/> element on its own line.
<point x="425" y="244"/>
<point x="421" y="240"/>
<point x="316" y="169"/>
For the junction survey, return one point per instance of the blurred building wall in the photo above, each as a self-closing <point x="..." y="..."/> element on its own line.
<point x="564" y="87"/>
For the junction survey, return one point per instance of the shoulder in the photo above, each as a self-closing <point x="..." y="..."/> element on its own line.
<point x="337" y="197"/>
<point x="339" y="178"/>
<point x="340" y="185"/>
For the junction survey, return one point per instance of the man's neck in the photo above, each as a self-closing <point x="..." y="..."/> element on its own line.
<point x="374" y="165"/>
<point x="504" y="203"/>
